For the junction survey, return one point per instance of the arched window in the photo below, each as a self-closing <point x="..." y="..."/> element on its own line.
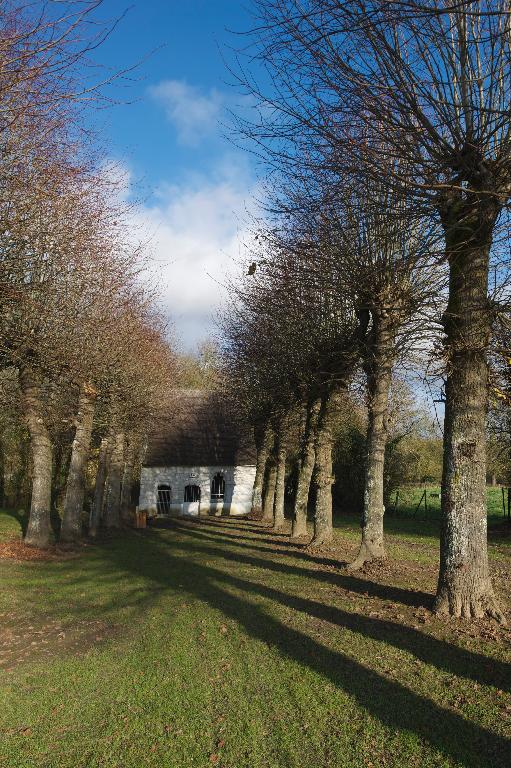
<point x="192" y="493"/>
<point x="164" y="499"/>
<point x="218" y="487"/>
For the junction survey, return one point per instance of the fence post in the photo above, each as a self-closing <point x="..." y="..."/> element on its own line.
<point x="420" y="502"/>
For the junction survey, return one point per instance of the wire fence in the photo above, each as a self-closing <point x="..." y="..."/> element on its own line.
<point x="425" y="502"/>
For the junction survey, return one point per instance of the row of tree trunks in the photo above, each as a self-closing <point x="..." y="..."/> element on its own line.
<point x="71" y="529"/>
<point x="305" y="470"/>
<point x="127" y="480"/>
<point x="112" y="496"/>
<point x="99" y="488"/>
<point x="112" y="517"/>
<point x="315" y="462"/>
<point x="281" y="446"/>
<point x="264" y="439"/>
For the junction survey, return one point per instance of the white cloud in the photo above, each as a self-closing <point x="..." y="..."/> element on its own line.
<point x="193" y="113"/>
<point x="198" y="234"/>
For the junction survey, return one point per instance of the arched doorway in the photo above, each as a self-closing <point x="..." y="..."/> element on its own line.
<point x="164" y="499"/>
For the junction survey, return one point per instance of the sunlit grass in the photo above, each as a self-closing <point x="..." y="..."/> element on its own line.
<point x="215" y="643"/>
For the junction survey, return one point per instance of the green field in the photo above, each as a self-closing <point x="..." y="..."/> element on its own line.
<point x="409" y="498"/>
<point x="217" y="643"/>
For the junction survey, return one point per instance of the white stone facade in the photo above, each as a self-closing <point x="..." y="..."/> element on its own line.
<point x="239" y="482"/>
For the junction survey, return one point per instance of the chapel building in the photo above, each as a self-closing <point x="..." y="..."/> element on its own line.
<point x="199" y="460"/>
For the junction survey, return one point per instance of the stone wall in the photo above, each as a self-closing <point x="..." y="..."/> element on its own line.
<point x="239" y="482"/>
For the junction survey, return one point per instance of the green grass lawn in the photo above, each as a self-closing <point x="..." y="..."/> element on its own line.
<point x="410" y="497"/>
<point x="217" y="643"/>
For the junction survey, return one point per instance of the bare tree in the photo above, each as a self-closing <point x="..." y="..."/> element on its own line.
<point x="296" y="337"/>
<point x="431" y="81"/>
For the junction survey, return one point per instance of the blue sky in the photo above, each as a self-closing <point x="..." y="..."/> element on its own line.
<point x="197" y="190"/>
<point x="169" y="132"/>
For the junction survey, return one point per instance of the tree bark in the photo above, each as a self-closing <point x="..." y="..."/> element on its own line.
<point x="280" y="480"/>
<point x="269" y="491"/>
<point x="39" y="526"/>
<point x="464" y="584"/>
<point x="127" y="481"/>
<point x="323" y="479"/>
<point x="305" y="470"/>
<point x="114" y="483"/>
<point x="379" y="379"/>
<point x="264" y="444"/>
<point x="99" y="488"/>
<point x="71" y="529"/>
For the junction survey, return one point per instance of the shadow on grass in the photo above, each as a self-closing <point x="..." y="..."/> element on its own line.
<point x="279" y="543"/>
<point x="169" y="564"/>
<point x="412" y="598"/>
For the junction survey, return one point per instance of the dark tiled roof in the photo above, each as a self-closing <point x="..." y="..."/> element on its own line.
<point x="199" y="428"/>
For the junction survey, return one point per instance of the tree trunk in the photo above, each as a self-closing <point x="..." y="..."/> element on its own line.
<point x="323" y="479"/>
<point x="39" y="527"/>
<point x="127" y="481"/>
<point x="71" y="529"/>
<point x="115" y="473"/>
<point x="99" y="488"/>
<point x="264" y="444"/>
<point x="305" y="470"/>
<point x="280" y="481"/>
<point x="379" y="379"/>
<point x="464" y="584"/>
<point x="269" y="491"/>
